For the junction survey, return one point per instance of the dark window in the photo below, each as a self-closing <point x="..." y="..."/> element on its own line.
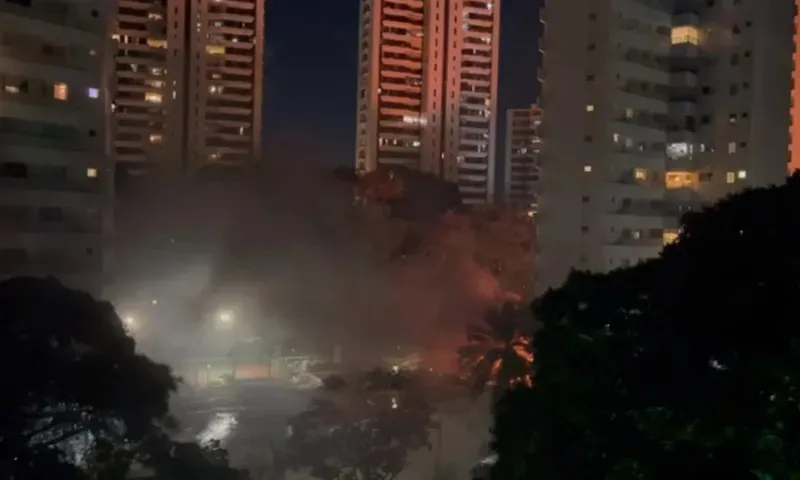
<point x="13" y="170"/>
<point x="51" y="214"/>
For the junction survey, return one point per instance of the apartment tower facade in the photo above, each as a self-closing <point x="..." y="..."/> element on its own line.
<point x="188" y="85"/>
<point x="427" y="89"/>
<point x="55" y="171"/>
<point x="654" y="109"/>
<point x="523" y="145"/>
<point x="794" y="130"/>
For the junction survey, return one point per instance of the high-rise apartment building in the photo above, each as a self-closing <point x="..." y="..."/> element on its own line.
<point x="523" y="145"/>
<point x="794" y="131"/>
<point x="55" y="174"/>
<point x="188" y="88"/>
<point x="653" y="109"/>
<point x="427" y="89"/>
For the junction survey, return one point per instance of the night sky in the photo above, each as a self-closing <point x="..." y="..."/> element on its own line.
<point x="311" y="69"/>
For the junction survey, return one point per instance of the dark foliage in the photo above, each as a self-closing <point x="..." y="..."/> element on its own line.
<point x="77" y="401"/>
<point x="497" y="350"/>
<point x="686" y="366"/>
<point x="361" y="428"/>
<point x="426" y="196"/>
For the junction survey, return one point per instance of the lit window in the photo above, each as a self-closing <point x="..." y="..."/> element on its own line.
<point x="669" y="236"/>
<point x="11" y="89"/>
<point x="685" y="34"/>
<point x="414" y="120"/>
<point x="741" y="174"/>
<point x="628" y="113"/>
<point x="682" y="179"/>
<point x="615" y="137"/>
<point x="678" y="150"/>
<point x="732" y="147"/>
<point x="60" y="91"/>
<point x="215" y="89"/>
<point x="640" y="174"/>
<point x="157" y="42"/>
<point x="730" y="177"/>
<point x="93" y="92"/>
<point x="155" y="16"/>
<point x="91" y="173"/>
<point x="587" y="168"/>
<point x="636" y="234"/>
<point x="156" y="138"/>
<point x="153" y="97"/>
<point x="215" y="49"/>
<point x="590" y="108"/>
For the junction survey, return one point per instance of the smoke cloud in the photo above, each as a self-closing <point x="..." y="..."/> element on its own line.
<point x="290" y="250"/>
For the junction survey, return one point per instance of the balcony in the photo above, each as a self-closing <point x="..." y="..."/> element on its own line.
<point x="66" y="16"/>
<point x="682" y="109"/>
<point x="684" y="87"/>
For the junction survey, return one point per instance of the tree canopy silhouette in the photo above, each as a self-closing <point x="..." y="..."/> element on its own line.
<point x="363" y="428"/>
<point x="682" y="366"/>
<point x="78" y="401"/>
<point x="498" y="350"/>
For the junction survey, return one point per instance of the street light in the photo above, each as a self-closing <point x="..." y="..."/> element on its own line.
<point x="225" y="320"/>
<point x="131" y="324"/>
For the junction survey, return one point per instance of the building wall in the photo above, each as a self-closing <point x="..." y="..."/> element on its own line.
<point x="522" y="168"/>
<point x="189" y="83"/>
<point x="427" y="89"/>
<point x="653" y="112"/>
<point x="794" y="131"/>
<point x="55" y="175"/>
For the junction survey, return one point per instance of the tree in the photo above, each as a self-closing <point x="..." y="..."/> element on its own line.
<point x="361" y="429"/>
<point x="504" y="247"/>
<point x="190" y="461"/>
<point x="498" y="351"/>
<point x="682" y="366"/>
<point x="78" y="401"/>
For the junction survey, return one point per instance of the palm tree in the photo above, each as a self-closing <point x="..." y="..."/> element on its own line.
<point x="498" y="350"/>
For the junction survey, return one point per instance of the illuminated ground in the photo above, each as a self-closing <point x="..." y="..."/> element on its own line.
<point x="249" y="419"/>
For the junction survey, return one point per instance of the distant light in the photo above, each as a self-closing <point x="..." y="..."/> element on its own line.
<point x="93" y="92"/>
<point x="154" y="302"/>
<point x="220" y="428"/>
<point x="225" y="320"/>
<point x="131" y="324"/>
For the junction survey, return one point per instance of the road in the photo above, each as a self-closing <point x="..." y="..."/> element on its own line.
<point x="249" y="419"/>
